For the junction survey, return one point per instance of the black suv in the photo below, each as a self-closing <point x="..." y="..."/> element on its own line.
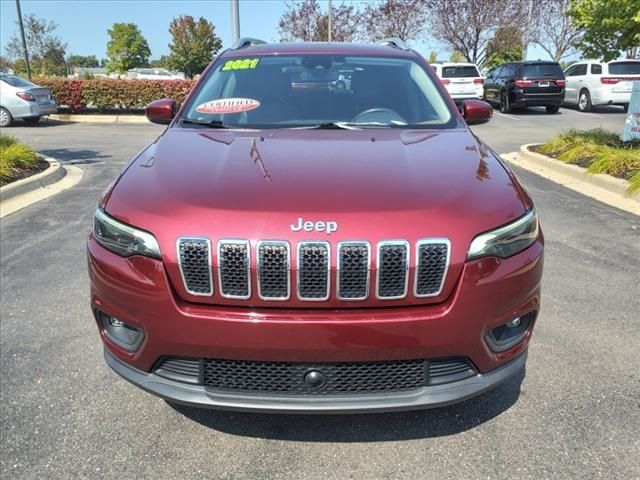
<point x="525" y="84"/>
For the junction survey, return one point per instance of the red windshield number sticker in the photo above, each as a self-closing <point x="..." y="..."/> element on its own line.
<point x="228" y="105"/>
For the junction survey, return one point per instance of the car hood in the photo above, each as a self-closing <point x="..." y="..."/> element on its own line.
<point x="375" y="184"/>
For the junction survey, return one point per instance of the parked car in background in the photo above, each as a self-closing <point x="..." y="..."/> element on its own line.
<point x="152" y="74"/>
<point x="463" y="81"/>
<point x="591" y="83"/>
<point x="525" y="84"/>
<point x="22" y="99"/>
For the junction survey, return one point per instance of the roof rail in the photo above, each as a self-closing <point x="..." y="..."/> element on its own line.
<point x="393" y="42"/>
<point x="246" y="42"/>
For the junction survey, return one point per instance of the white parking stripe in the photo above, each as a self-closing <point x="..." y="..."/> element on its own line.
<point x="566" y="110"/>
<point x="507" y="116"/>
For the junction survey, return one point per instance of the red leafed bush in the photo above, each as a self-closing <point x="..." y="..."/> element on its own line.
<point x="109" y="94"/>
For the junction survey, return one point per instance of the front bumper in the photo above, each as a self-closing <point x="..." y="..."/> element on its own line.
<point x="425" y="397"/>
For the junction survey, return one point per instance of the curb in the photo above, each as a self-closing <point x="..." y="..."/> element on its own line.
<point x="54" y="173"/>
<point x="26" y="192"/>
<point x="602" y="180"/>
<point x="67" y="117"/>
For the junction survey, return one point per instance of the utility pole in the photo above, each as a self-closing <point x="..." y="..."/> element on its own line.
<point x="330" y="21"/>
<point x="235" y="20"/>
<point x="525" y="40"/>
<point x="24" y="42"/>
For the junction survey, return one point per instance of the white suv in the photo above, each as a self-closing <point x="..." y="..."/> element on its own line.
<point x="462" y="80"/>
<point x="591" y="83"/>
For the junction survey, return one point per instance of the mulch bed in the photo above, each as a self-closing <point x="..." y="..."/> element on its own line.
<point x="20" y="173"/>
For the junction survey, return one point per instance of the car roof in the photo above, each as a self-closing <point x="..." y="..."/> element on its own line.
<point x="336" y="48"/>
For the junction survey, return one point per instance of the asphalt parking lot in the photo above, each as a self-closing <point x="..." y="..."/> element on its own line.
<point x="64" y="414"/>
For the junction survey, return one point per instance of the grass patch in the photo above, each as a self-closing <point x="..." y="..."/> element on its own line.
<point x="17" y="160"/>
<point x="599" y="151"/>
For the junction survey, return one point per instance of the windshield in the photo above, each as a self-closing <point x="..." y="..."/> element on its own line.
<point x="460" y="71"/>
<point x="541" y="70"/>
<point x="624" y="68"/>
<point x="318" y="90"/>
<point x="16" y="81"/>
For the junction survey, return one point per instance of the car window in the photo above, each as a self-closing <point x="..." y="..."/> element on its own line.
<point x="540" y="70"/>
<point x="460" y="71"/>
<point x="302" y="90"/>
<point x="580" y="69"/>
<point x="596" y="69"/>
<point x="16" y="81"/>
<point x="624" y="68"/>
<point x="569" y="71"/>
<point x="497" y="73"/>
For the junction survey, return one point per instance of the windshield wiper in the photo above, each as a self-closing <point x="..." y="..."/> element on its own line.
<point x="210" y="123"/>
<point x="357" y="125"/>
<point x="333" y="126"/>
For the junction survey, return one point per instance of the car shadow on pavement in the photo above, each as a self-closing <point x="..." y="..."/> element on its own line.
<point x="75" y="157"/>
<point x="378" y="427"/>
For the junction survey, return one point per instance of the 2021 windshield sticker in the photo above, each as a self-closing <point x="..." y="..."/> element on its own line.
<point x="228" y="105"/>
<point x="240" y="64"/>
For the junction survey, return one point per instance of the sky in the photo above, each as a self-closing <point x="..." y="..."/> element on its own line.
<point x="83" y="24"/>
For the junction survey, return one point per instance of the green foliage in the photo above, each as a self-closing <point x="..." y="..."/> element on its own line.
<point x="84" y="61"/>
<point x="14" y="157"/>
<point x="127" y="48"/>
<point x="611" y="27"/>
<point x="46" y="50"/>
<point x="505" y="46"/>
<point x="162" y="62"/>
<point x="457" y="57"/>
<point x="109" y="94"/>
<point x="599" y="151"/>
<point x="193" y="44"/>
<point x="433" y="57"/>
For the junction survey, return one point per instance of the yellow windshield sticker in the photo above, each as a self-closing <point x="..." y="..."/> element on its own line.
<point x="241" y="64"/>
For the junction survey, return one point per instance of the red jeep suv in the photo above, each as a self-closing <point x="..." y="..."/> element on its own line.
<point x="289" y="244"/>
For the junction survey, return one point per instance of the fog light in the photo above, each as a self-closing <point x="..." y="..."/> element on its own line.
<point x="122" y="334"/>
<point x="509" y="334"/>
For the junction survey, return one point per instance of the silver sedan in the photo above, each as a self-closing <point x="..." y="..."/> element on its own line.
<point x="21" y="99"/>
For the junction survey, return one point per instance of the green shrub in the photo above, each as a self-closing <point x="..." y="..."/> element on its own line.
<point x="14" y="156"/>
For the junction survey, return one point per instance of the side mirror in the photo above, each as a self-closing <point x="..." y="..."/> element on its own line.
<point x="476" y="111"/>
<point x="161" y="111"/>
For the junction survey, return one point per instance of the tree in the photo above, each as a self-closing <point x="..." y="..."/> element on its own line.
<point x="84" y="61"/>
<point x="193" y="44"/>
<point x="46" y="50"/>
<point x="457" y="57"/>
<point x="5" y="64"/>
<point x="553" y="29"/>
<point x="405" y="19"/>
<point x="162" y="62"/>
<point x="468" y="25"/>
<point x="433" y="57"/>
<point x="127" y="48"/>
<point x="505" y="46"/>
<point x="611" y="27"/>
<point x="305" y="21"/>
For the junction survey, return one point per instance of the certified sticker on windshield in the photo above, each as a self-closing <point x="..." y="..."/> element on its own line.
<point x="228" y="105"/>
<point x="241" y="64"/>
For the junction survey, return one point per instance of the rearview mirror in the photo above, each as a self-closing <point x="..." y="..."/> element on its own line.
<point x="476" y="111"/>
<point x="161" y="111"/>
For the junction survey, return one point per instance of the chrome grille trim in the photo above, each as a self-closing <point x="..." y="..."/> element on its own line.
<point x="390" y="243"/>
<point x="259" y="274"/>
<point x="420" y="265"/>
<point x="221" y="286"/>
<point x="322" y="244"/>
<point x="339" y="269"/>
<point x="182" y="240"/>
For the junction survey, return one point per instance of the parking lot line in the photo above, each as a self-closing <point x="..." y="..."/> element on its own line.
<point x="507" y="116"/>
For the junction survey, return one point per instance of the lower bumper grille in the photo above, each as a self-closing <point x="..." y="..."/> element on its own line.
<point x="293" y="378"/>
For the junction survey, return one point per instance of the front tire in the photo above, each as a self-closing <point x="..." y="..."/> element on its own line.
<point x="5" y="117"/>
<point x="553" y="108"/>
<point x="31" y="120"/>
<point x="584" y="101"/>
<point x="505" y="105"/>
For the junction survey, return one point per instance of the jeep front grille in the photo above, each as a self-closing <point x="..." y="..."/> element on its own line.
<point x="353" y="262"/>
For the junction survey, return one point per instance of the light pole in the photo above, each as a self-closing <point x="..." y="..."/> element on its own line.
<point x="24" y="42"/>
<point x="235" y="20"/>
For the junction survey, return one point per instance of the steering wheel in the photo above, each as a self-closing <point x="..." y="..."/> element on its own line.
<point x="381" y="115"/>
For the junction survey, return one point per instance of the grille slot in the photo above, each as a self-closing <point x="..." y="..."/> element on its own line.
<point x="314" y="262"/>
<point x="194" y="260"/>
<point x="447" y="370"/>
<point x="353" y="270"/>
<point x="274" y="270"/>
<point x="288" y="378"/>
<point x="180" y="369"/>
<point x="393" y="269"/>
<point x="432" y="260"/>
<point x="234" y="268"/>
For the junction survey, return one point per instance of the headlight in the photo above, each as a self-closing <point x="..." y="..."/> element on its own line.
<point x="123" y="239"/>
<point x="506" y="241"/>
